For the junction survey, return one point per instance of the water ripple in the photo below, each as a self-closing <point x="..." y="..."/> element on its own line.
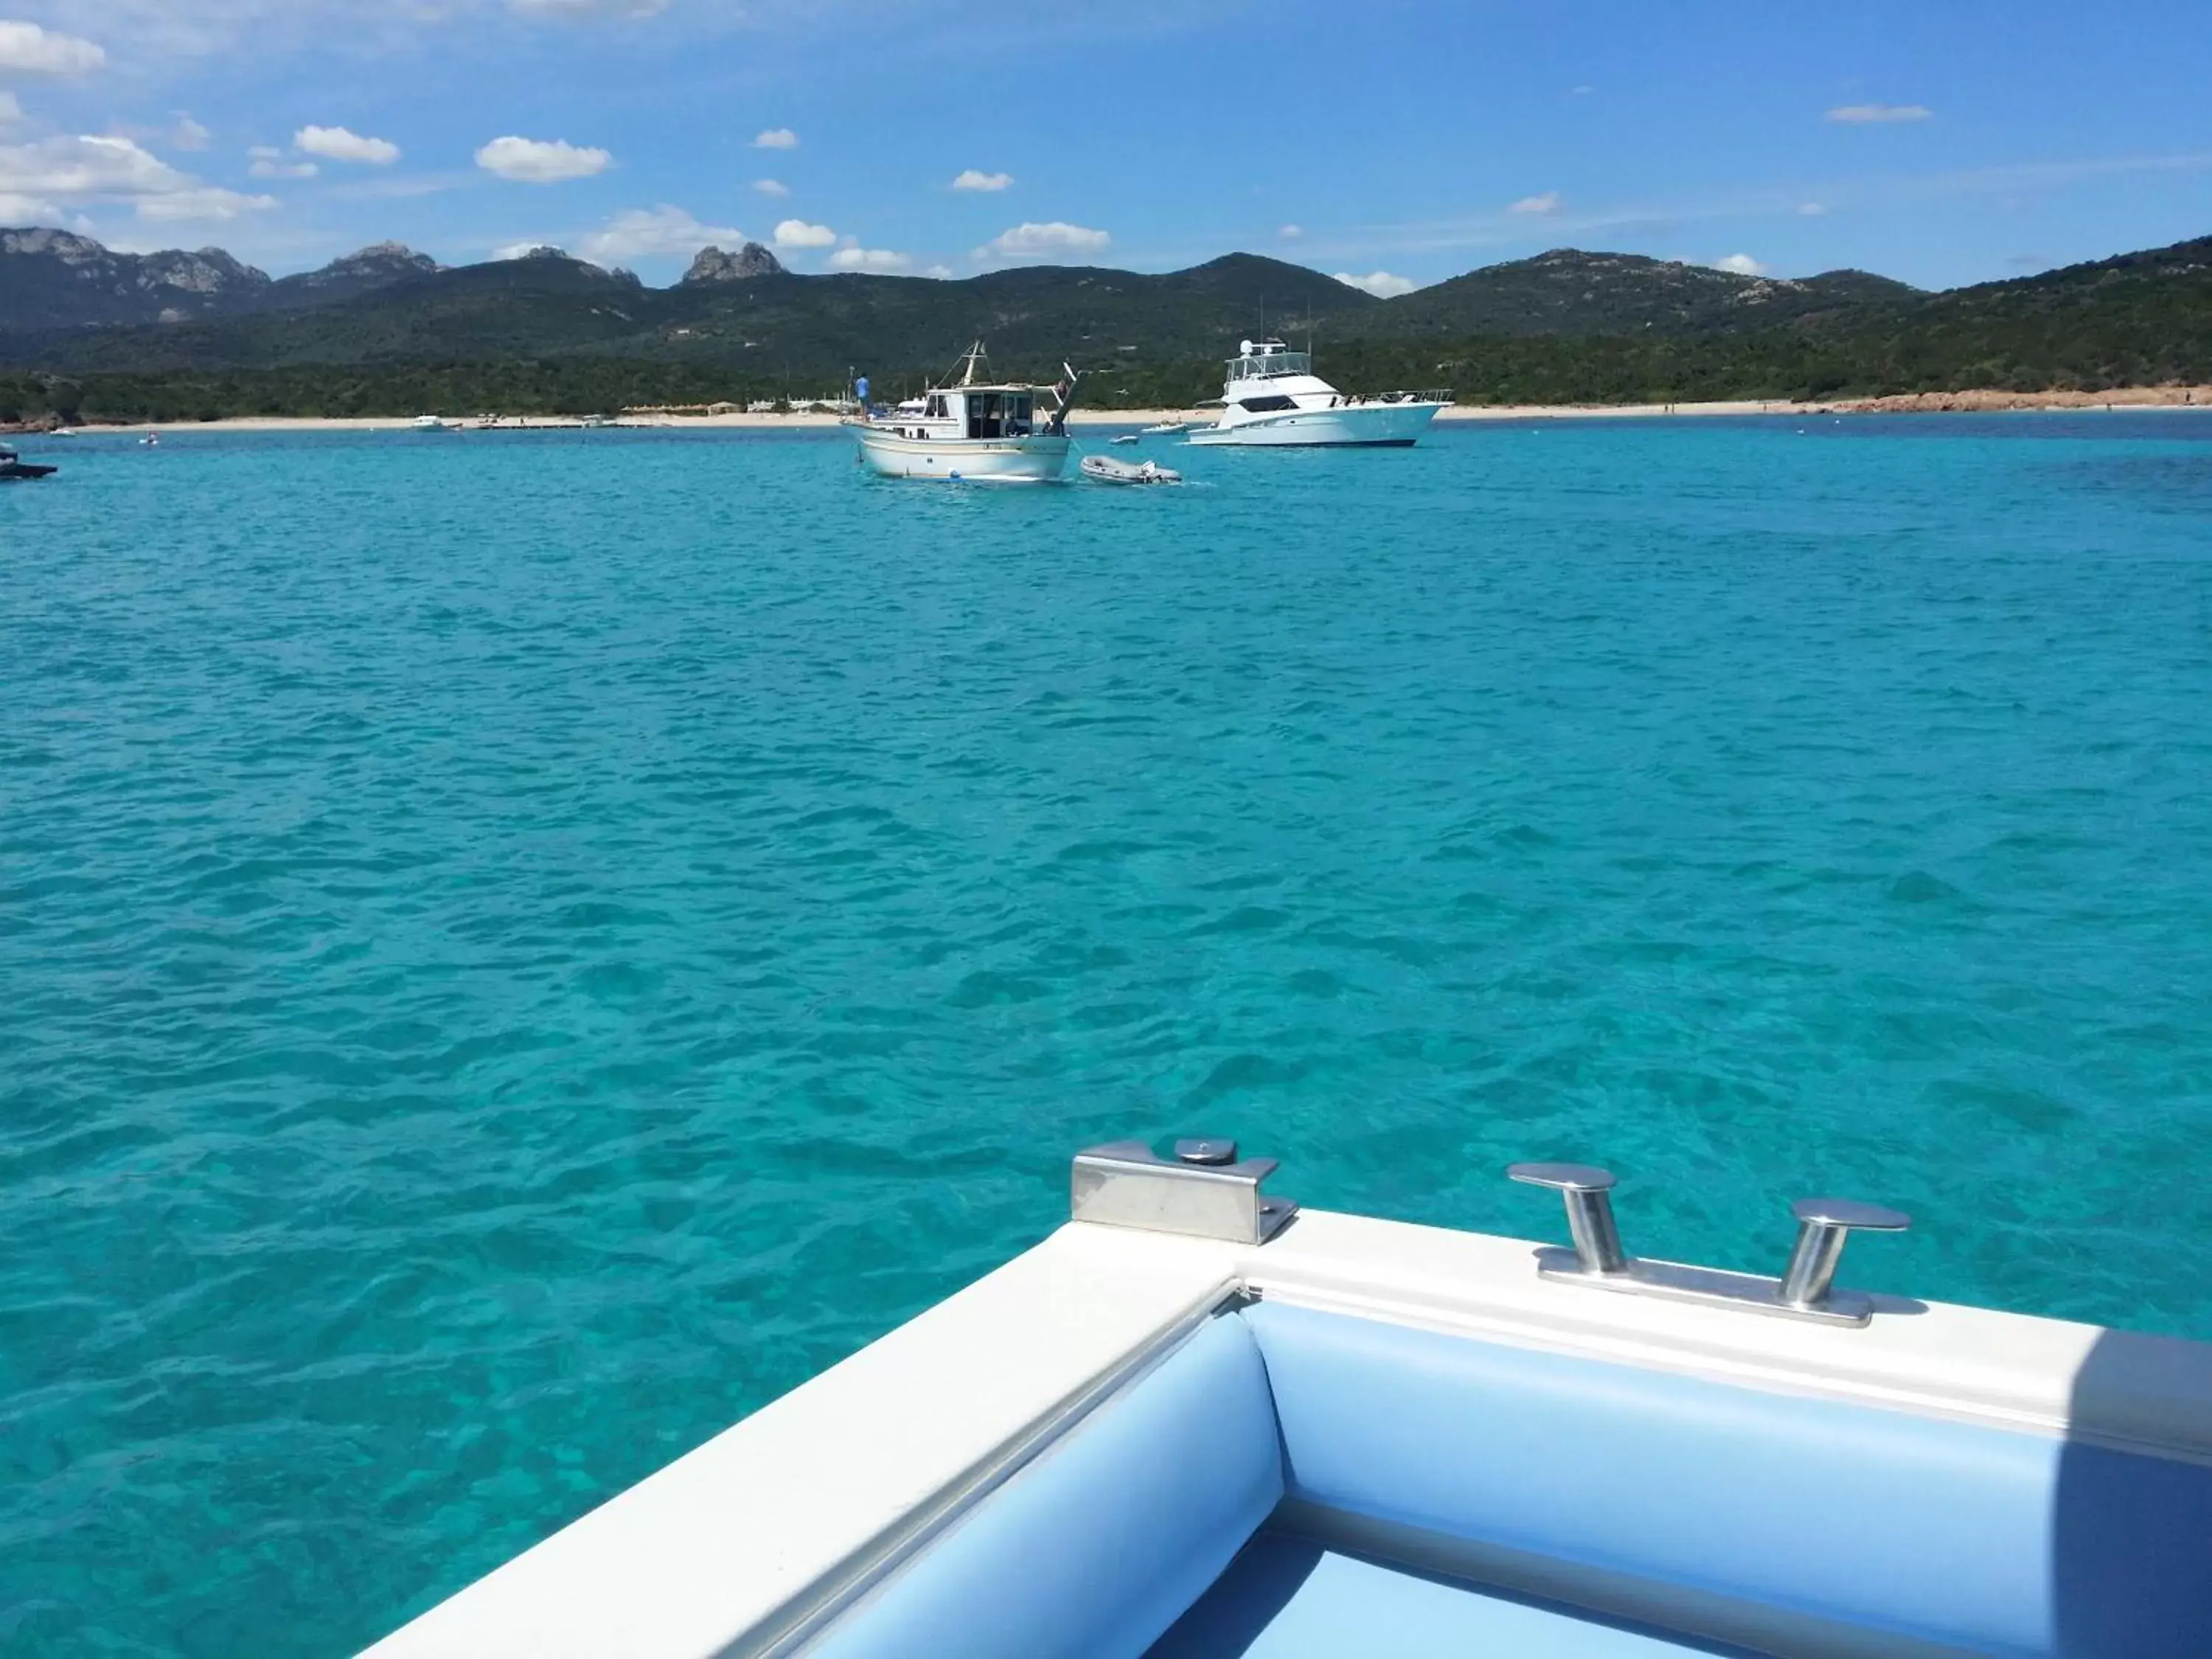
<point x="510" y="957"/>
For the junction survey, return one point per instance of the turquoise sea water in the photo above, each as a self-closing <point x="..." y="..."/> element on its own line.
<point x="514" y="950"/>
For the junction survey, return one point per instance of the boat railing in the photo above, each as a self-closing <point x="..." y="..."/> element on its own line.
<point x="1357" y="399"/>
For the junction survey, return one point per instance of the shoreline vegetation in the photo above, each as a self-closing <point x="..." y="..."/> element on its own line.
<point x="1986" y="401"/>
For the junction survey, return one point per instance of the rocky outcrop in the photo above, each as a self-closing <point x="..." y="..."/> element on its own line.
<point x="61" y="245"/>
<point x="57" y="279"/>
<point x="1985" y="401"/>
<point x="379" y="266"/>
<point x="713" y="265"/>
<point x="379" y="263"/>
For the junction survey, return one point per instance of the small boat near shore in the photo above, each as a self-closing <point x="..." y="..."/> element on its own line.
<point x="973" y="430"/>
<point x="1272" y="396"/>
<point x="16" y="470"/>
<point x="1106" y="469"/>
<point x="1197" y="1422"/>
<point x="1166" y="428"/>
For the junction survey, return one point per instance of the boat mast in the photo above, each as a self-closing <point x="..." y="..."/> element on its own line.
<point x="1063" y="396"/>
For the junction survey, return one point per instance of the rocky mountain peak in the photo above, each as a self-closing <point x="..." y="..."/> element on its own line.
<point x="65" y="246"/>
<point x="378" y="262"/>
<point x="713" y="265"/>
<point x="388" y="256"/>
<point x="209" y="273"/>
<point x="57" y="278"/>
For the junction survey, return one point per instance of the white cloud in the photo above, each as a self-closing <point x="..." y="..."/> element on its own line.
<point x="1741" y="263"/>
<point x="1547" y="203"/>
<point x="164" y="36"/>
<point x="27" y="49"/>
<point x="1865" y="112"/>
<point x="585" y="8"/>
<point x="10" y="111"/>
<point x="204" y="204"/>
<point x="264" y="161"/>
<point x="402" y="187"/>
<point x="881" y="260"/>
<point x="797" y="233"/>
<point x="1582" y="91"/>
<point x="112" y="168"/>
<point x="1810" y="209"/>
<point x="771" y="187"/>
<point x="939" y="273"/>
<point x="16" y="209"/>
<point x="542" y="161"/>
<point x="1380" y="283"/>
<point x="64" y="170"/>
<point x="336" y="144"/>
<point x="643" y="232"/>
<point x="1291" y="232"/>
<point x="777" y="138"/>
<point x="976" y="179"/>
<point x="188" y="134"/>
<point x="1030" y="241"/>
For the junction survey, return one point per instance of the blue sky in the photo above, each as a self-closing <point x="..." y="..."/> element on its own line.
<point x="1397" y="141"/>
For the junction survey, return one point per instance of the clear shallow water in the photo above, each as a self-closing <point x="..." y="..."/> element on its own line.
<point x="515" y="951"/>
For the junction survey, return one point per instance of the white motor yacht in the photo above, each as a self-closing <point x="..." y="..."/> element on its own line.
<point x="975" y="429"/>
<point x="1272" y="396"/>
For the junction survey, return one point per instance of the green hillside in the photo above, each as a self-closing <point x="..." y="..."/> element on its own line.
<point x="1567" y="291"/>
<point x="551" y="334"/>
<point x="776" y="325"/>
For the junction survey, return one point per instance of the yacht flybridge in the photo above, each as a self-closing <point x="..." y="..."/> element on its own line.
<point x="1272" y="396"/>
<point x="975" y="429"/>
<point x="1195" y="1423"/>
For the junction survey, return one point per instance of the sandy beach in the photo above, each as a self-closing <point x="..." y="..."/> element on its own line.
<point x="1081" y="420"/>
<point x="1931" y="403"/>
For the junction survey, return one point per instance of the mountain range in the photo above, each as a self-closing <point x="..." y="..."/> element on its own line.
<point x="56" y="280"/>
<point x="66" y="303"/>
<point x="1569" y="322"/>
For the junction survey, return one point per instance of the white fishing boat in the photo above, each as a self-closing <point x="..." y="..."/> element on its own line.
<point x="1124" y="438"/>
<point x="1195" y="1421"/>
<point x="1272" y="396"/>
<point x="973" y="429"/>
<point x="429" y="424"/>
<point x="1166" y="428"/>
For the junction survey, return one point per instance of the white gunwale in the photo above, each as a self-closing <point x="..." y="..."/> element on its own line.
<point x="743" y="1547"/>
